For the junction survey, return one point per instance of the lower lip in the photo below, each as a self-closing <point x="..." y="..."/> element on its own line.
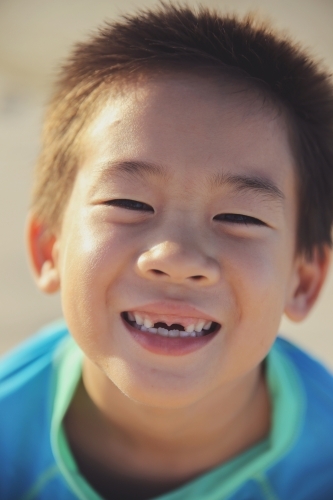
<point x="168" y="346"/>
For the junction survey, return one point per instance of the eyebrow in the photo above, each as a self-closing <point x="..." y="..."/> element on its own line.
<point x="143" y="169"/>
<point x="254" y="183"/>
<point x="135" y="168"/>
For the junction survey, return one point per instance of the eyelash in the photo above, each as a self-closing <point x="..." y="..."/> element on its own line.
<point x="131" y="205"/>
<point x="239" y="219"/>
<point x="143" y="207"/>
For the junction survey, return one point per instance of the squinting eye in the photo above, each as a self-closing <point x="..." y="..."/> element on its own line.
<point x="131" y="205"/>
<point x="239" y="219"/>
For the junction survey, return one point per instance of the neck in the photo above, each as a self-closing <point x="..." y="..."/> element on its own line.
<point x="167" y="443"/>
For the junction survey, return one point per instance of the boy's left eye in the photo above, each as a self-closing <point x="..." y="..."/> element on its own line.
<point x="130" y="205"/>
<point x="239" y="219"/>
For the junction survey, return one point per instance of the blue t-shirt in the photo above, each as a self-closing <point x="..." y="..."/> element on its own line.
<point x="37" y="383"/>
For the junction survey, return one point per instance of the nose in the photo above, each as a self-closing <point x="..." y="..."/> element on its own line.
<point x="172" y="262"/>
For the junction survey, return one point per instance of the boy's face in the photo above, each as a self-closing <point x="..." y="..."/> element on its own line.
<point x="190" y="154"/>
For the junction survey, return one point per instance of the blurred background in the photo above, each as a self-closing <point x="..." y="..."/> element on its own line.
<point x="35" y="36"/>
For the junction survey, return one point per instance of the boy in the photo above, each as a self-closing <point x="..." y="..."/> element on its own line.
<point x="183" y="202"/>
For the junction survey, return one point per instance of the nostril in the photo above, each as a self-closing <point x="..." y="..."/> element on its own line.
<point x="157" y="271"/>
<point x="197" y="278"/>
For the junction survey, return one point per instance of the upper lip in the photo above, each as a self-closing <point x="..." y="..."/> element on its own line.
<point x="172" y="308"/>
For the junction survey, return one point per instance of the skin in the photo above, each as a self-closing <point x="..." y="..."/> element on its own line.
<point x="151" y="416"/>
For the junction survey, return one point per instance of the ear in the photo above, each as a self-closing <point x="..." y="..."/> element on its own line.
<point x="43" y="255"/>
<point x="309" y="277"/>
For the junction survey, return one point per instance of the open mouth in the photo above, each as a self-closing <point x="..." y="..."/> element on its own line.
<point x="189" y="329"/>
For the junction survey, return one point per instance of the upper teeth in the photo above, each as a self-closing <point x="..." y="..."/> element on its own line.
<point x="199" y="326"/>
<point x="147" y="323"/>
<point x="138" y="319"/>
<point x="192" y="330"/>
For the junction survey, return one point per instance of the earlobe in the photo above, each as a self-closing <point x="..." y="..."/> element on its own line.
<point x="48" y="280"/>
<point x="309" y="277"/>
<point x="43" y="255"/>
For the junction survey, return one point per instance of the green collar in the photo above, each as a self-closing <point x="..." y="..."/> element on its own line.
<point x="288" y="408"/>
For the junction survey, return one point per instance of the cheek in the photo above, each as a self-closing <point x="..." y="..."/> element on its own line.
<point x="93" y="258"/>
<point x="93" y="251"/>
<point x="257" y="274"/>
<point x="259" y="266"/>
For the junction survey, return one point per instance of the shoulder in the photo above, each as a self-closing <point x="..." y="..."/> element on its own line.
<point x="26" y="371"/>
<point x="315" y="385"/>
<point x="26" y="362"/>
<point x="315" y="377"/>
<point x="307" y="466"/>
<point x="26" y="379"/>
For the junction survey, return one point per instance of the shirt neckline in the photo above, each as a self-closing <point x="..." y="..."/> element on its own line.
<point x="287" y="399"/>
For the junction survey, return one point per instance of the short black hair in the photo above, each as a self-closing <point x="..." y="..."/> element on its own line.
<point x="179" y="38"/>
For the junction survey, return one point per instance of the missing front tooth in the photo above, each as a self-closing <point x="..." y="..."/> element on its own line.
<point x="174" y="326"/>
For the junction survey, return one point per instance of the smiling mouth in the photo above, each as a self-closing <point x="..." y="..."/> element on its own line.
<point x="197" y="328"/>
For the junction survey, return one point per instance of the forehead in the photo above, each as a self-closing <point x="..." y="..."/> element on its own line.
<point x="191" y="126"/>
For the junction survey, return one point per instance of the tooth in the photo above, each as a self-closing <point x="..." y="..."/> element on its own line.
<point x="152" y="330"/>
<point x="190" y="328"/>
<point x="184" y="334"/>
<point x="193" y="334"/>
<point x="148" y="323"/>
<point x="138" y="319"/>
<point x="131" y="316"/>
<point x="207" y="325"/>
<point x="163" y="331"/>
<point x="143" y="328"/>
<point x="174" y="333"/>
<point x="199" y="325"/>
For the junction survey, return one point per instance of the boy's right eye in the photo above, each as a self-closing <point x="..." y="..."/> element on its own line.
<point x="130" y="205"/>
